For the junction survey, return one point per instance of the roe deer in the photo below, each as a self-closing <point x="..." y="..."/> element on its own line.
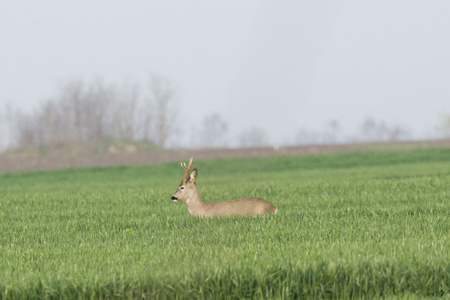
<point x="188" y="192"/>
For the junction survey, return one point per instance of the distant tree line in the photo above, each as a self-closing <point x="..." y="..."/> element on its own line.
<point x="82" y="112"/>
<point x="370" y="130"/>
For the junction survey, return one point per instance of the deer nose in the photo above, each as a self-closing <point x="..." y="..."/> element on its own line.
<point x="174" y="198"/>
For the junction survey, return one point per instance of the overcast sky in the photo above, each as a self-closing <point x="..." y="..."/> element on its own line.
<point x="276" y="65"/>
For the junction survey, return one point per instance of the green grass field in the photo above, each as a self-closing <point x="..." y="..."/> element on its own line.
<point x="352" y="225"/>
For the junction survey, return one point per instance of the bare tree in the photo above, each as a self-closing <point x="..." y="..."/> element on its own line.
<point x="307" y="136"/>
<point x="73" y="110"/>
<point x="213" y="131"/>
<point x="29" y="131"/>
<point x="379" y="131"/>
<point x="144" y="120"/>
<point x="331" y="133"/>
<point x="48" y="119"/>
<point x="254" y="137"/>
<point x="122" y="109"/>
<point x="14" y="125"/>
<point x="163" y="100"/>
<point x="398" y="133"/>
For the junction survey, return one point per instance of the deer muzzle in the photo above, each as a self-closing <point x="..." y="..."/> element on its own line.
<point x="173" y="198"/>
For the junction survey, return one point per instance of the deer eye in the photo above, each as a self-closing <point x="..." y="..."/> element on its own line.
<point x="181" y="187"/>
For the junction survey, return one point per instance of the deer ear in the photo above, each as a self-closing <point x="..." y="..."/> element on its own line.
<point x="193" y="175"/>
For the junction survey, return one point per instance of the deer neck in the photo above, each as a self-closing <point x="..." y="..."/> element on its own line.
<point x="195" y="203"/>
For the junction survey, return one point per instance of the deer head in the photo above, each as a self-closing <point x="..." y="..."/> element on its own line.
<point x="187" y="185"/>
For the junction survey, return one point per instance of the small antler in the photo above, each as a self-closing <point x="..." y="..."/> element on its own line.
<point x="187" y="169"/>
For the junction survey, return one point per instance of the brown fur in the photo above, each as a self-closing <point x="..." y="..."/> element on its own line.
<point x="188" y="192"/>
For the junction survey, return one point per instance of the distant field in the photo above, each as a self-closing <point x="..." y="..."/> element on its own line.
<point x="349" y="225"/>
<point x="116" y="152"/>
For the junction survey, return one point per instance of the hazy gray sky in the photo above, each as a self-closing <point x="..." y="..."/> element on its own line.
<point x="277" y="65"/>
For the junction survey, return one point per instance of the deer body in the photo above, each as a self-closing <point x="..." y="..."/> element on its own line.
<point x="188" y="192"/>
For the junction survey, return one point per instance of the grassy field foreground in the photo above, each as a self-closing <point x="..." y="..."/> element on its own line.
<point x="350" y="225"/>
